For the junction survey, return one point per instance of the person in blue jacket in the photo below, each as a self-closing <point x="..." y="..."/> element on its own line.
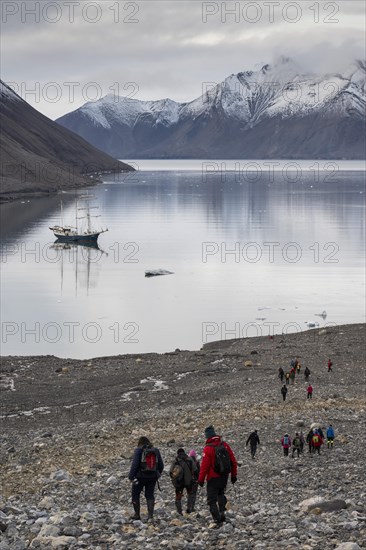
<point x="146" y="468"/>
<point x="330" y="436"/>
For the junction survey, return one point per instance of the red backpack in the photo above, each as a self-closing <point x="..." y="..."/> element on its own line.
<point x="149" y="460"/>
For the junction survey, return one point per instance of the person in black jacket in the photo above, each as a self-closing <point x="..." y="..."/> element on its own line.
<point x="254" y="441"/>
<point x="183" y="472"/>
<point x="146" y="468"/>
<point x="281" y="374"/>
<point x="284" y="392"/>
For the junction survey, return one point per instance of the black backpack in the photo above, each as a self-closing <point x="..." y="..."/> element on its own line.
<point x="222" y="463"/>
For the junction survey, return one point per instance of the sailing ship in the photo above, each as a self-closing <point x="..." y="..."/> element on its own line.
<point x="82" y="232"/>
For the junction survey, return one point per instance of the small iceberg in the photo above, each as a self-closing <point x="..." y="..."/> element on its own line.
<point x="157" y="272"/>
<point x="322" y="314"/>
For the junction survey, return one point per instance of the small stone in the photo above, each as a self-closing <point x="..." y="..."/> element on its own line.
<point x="305" y="505"/>
<point x="72" y="531"/>
<point x="348" y="546"/>
<point x="60" y="475"/>
<point x="47" y="503"/>
<point x="53" y="542"/>
<point x="19" y="545"/>
<point x="49" y="531"/>
<point x="4" y="521"/>
<point x="10" y="509"/>
<point x="112" y="480"/>
<point x="88" y="516"/>
<point x="329" y="506"/>
<point x="12" y="531"/>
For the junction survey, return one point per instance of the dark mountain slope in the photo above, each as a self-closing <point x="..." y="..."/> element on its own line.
<point x="37" y="154"/>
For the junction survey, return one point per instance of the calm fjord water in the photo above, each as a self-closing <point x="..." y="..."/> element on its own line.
<point x="249" y="257"/>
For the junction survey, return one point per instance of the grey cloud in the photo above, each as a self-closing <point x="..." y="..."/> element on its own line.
<point x="170" y="52"/>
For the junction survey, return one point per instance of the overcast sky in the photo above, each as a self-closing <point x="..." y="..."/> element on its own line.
<point x="74" y="51"/>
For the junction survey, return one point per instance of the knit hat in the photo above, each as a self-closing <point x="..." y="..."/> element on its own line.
<point x="181" y="451"/>
<point x="210" y="432"/>
<point x="193" y="453"/>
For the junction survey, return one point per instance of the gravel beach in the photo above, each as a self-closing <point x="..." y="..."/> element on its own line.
<point x="69" y="428"/>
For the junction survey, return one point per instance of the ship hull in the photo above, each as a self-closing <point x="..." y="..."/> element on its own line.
<point x="90" y="238"/>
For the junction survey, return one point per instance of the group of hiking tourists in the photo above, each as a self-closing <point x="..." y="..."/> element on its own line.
<point x="315" y="439"/>
<point x="186" y="474"/>
<point x="289" y="377"/>
<point x="218" y="461"/>
<point x="217" y="465"/>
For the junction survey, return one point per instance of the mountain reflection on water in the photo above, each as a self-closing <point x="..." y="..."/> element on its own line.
<point x="248" y="257"/>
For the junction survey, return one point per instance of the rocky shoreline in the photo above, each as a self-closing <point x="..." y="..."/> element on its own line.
<point x="69" y="428"/>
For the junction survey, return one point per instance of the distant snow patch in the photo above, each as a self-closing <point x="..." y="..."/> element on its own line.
<point x="183" y="374"/>
<point x="158" y="384"/>
<point x="7" y="383"/>
<point x="128" y="395"/>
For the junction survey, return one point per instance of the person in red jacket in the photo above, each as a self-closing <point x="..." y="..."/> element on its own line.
<point x="330" y="364"/>
<point x="309" y="391"/>
<point x="317" y="441"/>
<point x="216" y="482"/>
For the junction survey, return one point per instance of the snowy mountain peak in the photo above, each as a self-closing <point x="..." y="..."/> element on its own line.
<point x="275" y="96"/>
<point x="110" y="108"/>
<point x="268" y="90"/>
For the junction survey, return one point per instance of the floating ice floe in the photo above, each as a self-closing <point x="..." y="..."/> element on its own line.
<point x="157" y="272"/>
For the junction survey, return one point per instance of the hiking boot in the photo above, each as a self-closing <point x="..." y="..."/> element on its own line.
<point x="215" y="525"/>
<point x="178" y="505"/>
<point x="150" y="509"/>
<point x="222" y="517"/>
<point x="190" y="503"/>
<point x="136" y="515"/>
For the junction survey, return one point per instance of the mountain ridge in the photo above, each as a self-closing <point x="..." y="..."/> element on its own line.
<point x="265" y="113"/>
<point x="39" y="155"/>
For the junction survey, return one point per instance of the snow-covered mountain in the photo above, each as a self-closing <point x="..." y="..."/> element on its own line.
<point x="273" y="111"/>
